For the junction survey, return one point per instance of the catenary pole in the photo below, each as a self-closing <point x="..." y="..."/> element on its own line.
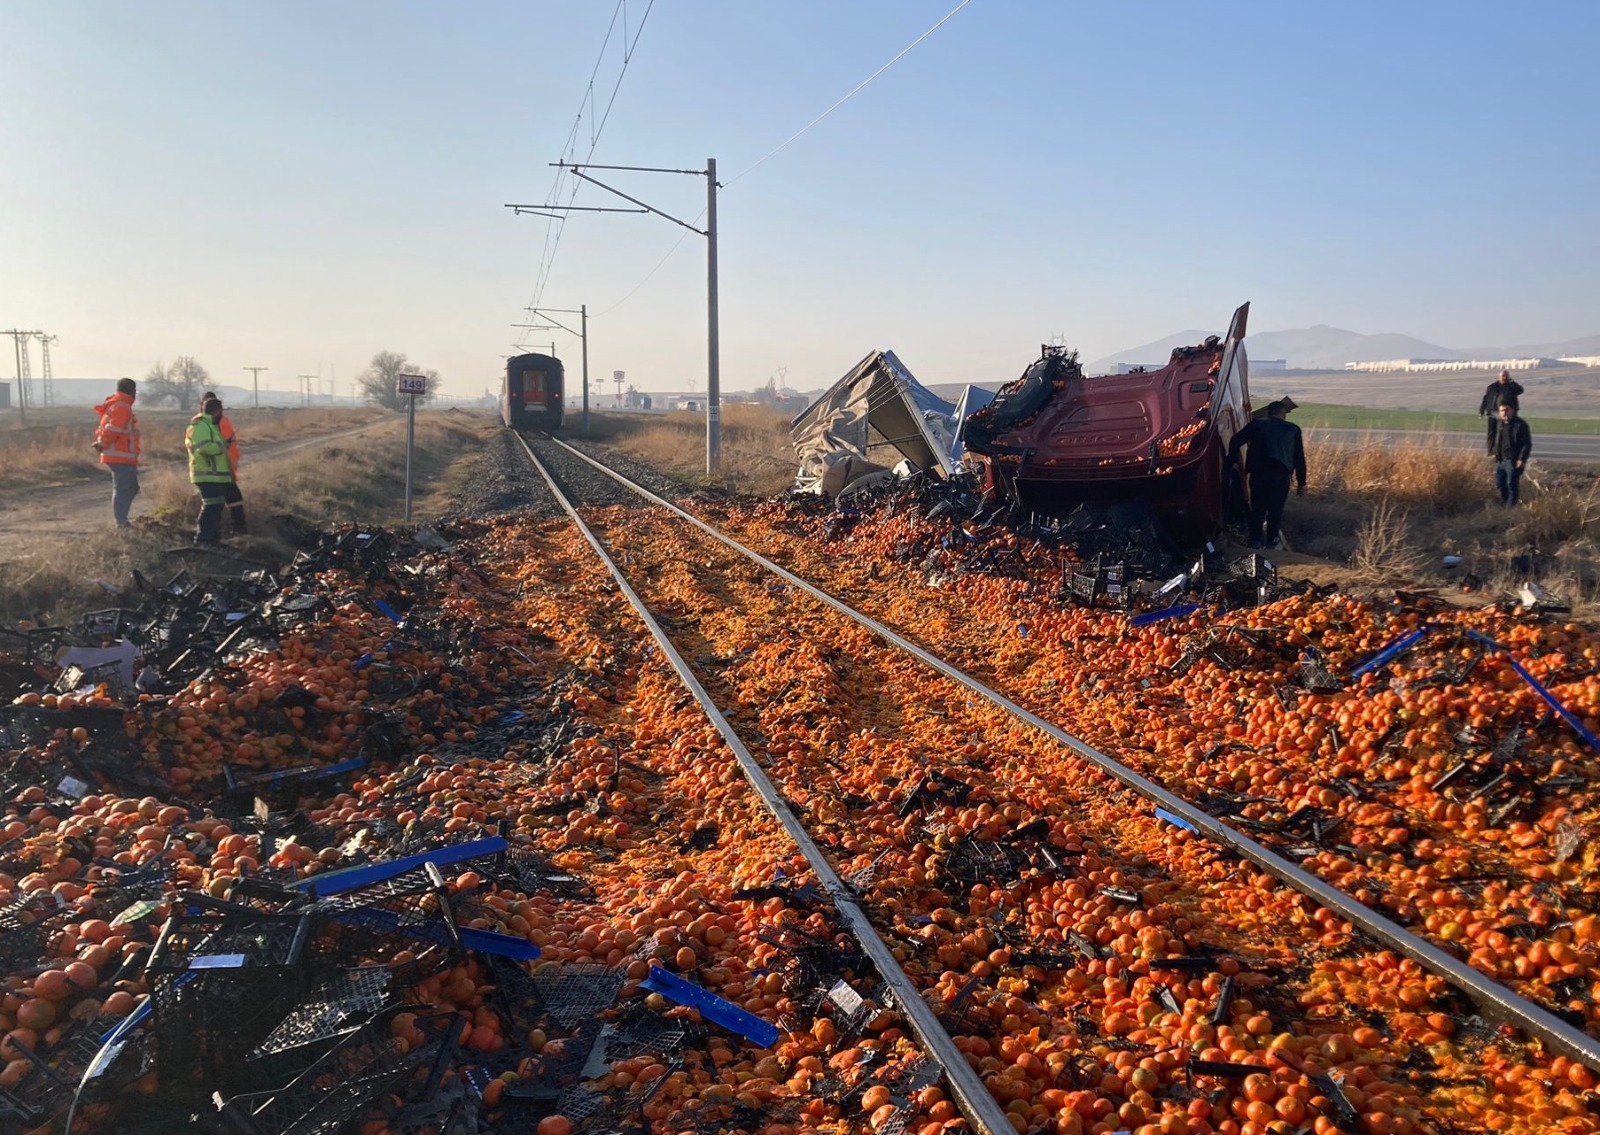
<point x="713" y="359"/>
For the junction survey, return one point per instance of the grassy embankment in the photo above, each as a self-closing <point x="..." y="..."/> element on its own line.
<point x="757" y="456"/>
<point x="50" y="577"/>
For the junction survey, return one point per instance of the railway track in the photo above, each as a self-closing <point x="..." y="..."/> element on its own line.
<point x="1354" y="938"/>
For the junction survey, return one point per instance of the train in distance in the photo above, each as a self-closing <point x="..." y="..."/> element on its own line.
<point x="531" y="397"/>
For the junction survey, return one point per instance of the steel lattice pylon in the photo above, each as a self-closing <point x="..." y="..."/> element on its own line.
<point x="23" y="340"/>
<point x="46" y="375"/>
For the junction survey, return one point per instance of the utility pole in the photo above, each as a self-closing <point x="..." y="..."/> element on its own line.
<point x="713" y="347"/>
<point x="713" y="366"/>
<point x="255" y="381"/>
<point x="45" y="373"/>
<point x="23" y="342"/>
<point x="582" y="312"/>
<point x="305" y="388"/>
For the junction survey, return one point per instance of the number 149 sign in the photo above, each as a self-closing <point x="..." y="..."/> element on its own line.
<point x="411" y="384"/>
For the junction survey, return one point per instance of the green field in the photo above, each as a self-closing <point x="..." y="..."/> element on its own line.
<point x="1327" y="415"/>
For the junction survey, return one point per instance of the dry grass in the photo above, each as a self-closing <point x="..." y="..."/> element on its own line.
<point x="1390" y="512"/>
<point x="757" y="453"/>
<point x="1385" y="551"/>
<point x="1422" y="474"/>
<point x="51" y="579"/>
<point x="360" y="478"/>
<point x="55" y="447"/>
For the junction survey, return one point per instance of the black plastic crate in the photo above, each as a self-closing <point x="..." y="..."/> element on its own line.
<point x="352" y="1079"/>
<point x="26" y="928"/>
<point x="575" y="992"/>
<point x="340" y="1001"/>
<point x="404" y="922"/>
<point x="220" y="982"/>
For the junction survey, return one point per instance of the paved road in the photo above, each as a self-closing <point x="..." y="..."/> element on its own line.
<point x="1546" y="447"/>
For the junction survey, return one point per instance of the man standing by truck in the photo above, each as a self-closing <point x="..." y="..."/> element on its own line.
<point x="1277" y="452"/>
<point x="116" y="440"/>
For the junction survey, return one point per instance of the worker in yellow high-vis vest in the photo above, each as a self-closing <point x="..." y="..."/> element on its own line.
<point x="209" y="470"/>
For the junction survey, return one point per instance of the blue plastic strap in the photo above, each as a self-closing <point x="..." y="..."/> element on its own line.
<point x="1539" y="688"/>
<point x="1176" y="612"/>
<point x="354" y="878"/>
<point x="718" y="1010"/>
<point x="1176" y="820"/>
<point x="334" y="770"/>
<point x="394" y="616"/>
<point x="133" y="1020"/>
<point x="483" y="941"/>
<point x="111" y="1044"/>
<point x="1392" y="651"/>
<point x="501" y="945"/>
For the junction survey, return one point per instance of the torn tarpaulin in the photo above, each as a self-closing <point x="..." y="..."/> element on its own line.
<point x="875" y="410"/>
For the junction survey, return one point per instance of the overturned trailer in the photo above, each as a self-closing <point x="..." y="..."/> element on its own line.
<point x="873" y="417"/>
<point x="1056" y="438"/>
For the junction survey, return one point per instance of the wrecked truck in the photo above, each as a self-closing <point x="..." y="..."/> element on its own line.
<point x="1056" y="438"/>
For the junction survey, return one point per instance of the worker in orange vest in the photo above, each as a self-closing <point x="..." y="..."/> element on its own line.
<point x="231" y="494"/>
<point x="116" y="440"/>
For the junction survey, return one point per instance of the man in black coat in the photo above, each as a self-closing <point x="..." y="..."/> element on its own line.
<point x="1277" y="452"/>
<point x="1510" y="445"/>
<point x="1500" y="390"/>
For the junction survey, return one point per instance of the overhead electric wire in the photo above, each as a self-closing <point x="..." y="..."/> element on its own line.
<point x="554" y="229"/>
<point x="857" y="89"/>
<point x="569" y="149"/>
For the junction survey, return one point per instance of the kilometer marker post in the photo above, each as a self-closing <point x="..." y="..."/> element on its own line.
<point x="410" y="385"/>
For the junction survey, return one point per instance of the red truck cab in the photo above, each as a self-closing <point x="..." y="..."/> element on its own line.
<point x="1056" y="438"/>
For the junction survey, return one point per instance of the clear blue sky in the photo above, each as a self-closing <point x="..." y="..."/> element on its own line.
<point x="290" y="183"/>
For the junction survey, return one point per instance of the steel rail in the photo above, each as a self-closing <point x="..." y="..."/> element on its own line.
<point x="980" y="1108"/>
<point x="1495" y="1001"/>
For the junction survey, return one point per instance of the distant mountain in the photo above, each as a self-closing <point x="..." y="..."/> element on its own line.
<point x="1157" y="352"/>
<point x="1329" y="348"/>
<point x="1306" y="348"/>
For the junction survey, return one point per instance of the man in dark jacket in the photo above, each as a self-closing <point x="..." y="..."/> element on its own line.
<point x="1510" y="445"/>
<point x="1277" y="452"/>
<point x="1500" y="390"/>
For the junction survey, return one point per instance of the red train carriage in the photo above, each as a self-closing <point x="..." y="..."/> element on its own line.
<point x="533" y="392"/>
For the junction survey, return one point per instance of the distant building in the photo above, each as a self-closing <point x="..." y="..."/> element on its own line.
<point x="1581" y="360"/>
<point x="1431" y="366"/>
<point x="1269" y="366"/>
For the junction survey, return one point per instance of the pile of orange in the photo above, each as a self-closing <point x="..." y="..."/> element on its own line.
<point x="1052" y="979"/>
<point x="851" y="727"/>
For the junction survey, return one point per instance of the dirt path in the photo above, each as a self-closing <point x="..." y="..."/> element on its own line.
<point x="71" y="510"/>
